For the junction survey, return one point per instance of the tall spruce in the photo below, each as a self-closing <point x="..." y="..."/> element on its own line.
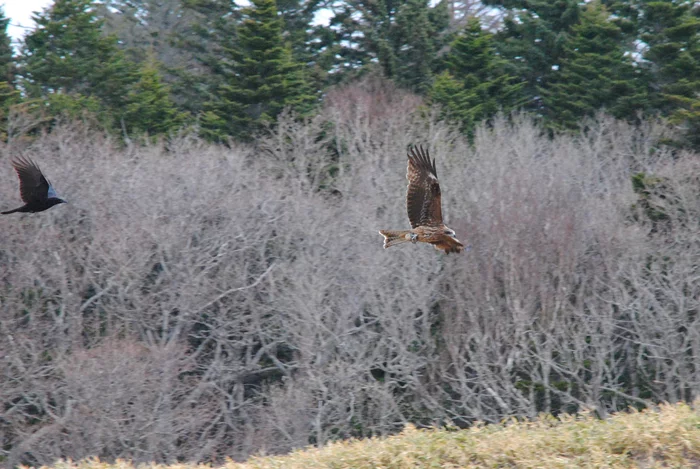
<point x="476" y="83"/>
<point x="297" y="16"/>
<point x="416" y="42"/>
<point x="208" y="42"/>
<point x="594" y="72"/>
<point x="184" y="36"/>
<point x="400" y="37"/>
<point x="7" y="64"/>
<point x="69" y="63"/>
<point x="671" y="31"/>
<point x="533" y="40"/>
<point x="149" y="107"/>
<point x="306" y="41"/>
<point x="261" y="78"/>
<point x="8" y="92"/>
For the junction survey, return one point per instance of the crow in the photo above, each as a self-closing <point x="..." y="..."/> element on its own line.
<point x="36" y="191"/>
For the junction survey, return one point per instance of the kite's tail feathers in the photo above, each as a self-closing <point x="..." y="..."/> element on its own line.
<point x="392" y="238"/>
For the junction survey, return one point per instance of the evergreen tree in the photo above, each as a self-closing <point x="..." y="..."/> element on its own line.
<point x="209" y="42"/>
<point x="8" y="94"/>
<point x="261" y="80"/>
<point x="594" y="72"/>
<point x="401" y="37"/>
<point x="671" y="31"/>
<point x="415" y="43"/>
<point x="305" y="41"/>
<point x="476" y="83"/>
<point x="297" y="16"/>
<point x="186" y="38"/>
<point x="533" y="40"/>
<point x="149" y="108"/>
<point x="68" y="62"/>
<point x="362" y="29"/>
<point x="7" y="65"/>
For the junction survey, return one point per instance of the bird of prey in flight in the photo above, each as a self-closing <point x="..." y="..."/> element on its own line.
<point x="424" y="208"/>
<point x="36" y="191"/>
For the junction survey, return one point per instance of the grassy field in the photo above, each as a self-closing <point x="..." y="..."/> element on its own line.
<point x="665" y="437"/>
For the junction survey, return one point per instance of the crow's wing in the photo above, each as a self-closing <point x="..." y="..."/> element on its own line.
<point x="423" y="195"/>
<point x="33" y="186"/>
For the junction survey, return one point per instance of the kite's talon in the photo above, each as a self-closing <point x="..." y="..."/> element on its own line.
<point x="414" y="238"/>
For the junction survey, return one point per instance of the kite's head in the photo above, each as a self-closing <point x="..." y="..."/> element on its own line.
<point x="450" y="233"/>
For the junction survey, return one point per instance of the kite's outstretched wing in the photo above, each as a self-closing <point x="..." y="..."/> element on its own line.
<point x="33" y="186"/>
<point x="423" y="195"/>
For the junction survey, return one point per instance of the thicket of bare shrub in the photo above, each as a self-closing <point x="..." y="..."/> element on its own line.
<point x="195" y="302"/>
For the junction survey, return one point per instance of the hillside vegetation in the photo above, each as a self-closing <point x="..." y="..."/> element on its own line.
<point x="667" y="437"/>
<point x="227" y="71"/>
<point x="195" y="302"/>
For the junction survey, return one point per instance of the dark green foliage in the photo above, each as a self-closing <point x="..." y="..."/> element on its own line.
<point x="261" y="79"/>
<point x="72" y="67"/>
<point x="415" y="43"/>
<point x="533" y="41"/>
<point x="306" y="41"/>
<point x="177" y="34"/>
<point x="476" y="83"/>
<point x="7" y="66"/>
<point x="671" y="30"/>
<point x="668" y="31"/>
<point x="149" y="108"/>
<point x="67" y="62"/>
<point x="359" y="34"/>
<point x="8" y="97"/>
<point x="206" y="43"/>
<point x="235" y="69"/>
<point x="594" y="72"/>
<point x="401" y="37"/>
<point x="8" y="94"/>
<point x="298" y="16"/>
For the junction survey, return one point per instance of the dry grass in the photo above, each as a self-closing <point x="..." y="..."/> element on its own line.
<point x="667" y="437"/>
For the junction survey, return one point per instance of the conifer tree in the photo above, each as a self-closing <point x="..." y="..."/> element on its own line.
<point x="415" y="43"/>
<point x="7" y="66"/>
<point x="401" y="37"/>
<point x="476" y="83"/>
<point x="68" y="62"/>
<point x="149" y="107"/>
<point x="187" y="37"/>
<point x="297" y="16"/>
<point x="8" y="93"/>
<point x="533" y="40"/>
<point x="672" y="32"/>
<point x="594" y="72"/>
<point x="262" y="78"/>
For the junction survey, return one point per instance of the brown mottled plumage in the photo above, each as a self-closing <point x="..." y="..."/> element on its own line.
<point x="424" y="206"/>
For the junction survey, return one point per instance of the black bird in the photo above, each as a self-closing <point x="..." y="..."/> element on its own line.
<point x="36" y="191"/>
